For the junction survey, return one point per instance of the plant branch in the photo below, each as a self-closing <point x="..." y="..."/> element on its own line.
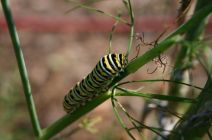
<point x="70" y="118"/>
<point x="132" y="67"/>
<point x="195" y="122"/>
<point x="171" y="39"/>
<point x="132" y="18"/>
<point x="159" y="80"/>
<point x="22" y="67"/>
<point x="126" y="92"/>
<point x="117" y="18"/>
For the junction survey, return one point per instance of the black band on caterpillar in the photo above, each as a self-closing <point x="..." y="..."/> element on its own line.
<point x="97" y="81"/>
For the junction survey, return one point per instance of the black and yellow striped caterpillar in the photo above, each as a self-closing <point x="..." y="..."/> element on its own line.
<point x="96" y="82"/>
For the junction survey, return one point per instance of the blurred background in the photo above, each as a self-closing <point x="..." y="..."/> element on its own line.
<point x="60" y="48"/>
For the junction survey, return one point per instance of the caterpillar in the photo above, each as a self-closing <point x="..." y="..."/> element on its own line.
<point x="96" y="82"/>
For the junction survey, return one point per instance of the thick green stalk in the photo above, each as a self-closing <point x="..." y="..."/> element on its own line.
<point x="132" y="67"/>
<point x="22" y="67"/>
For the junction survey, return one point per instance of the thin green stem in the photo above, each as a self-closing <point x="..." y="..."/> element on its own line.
<point x="111" y="34"/>
<point x="22" y="67"/>
<point x="143" y="125"/>
<point x="132" y="18"/>
<point x="129" y="117"/>
<point x="119" y="117"/>
<point x="101" y="12"/>
<point x="159" y="80"/>
<point x="127" y="92"/>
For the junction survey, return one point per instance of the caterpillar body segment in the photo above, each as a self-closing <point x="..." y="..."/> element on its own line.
<point x="96" y="82"/>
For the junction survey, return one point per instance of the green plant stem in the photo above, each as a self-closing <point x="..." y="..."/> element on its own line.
<point x="158" y="80"/>
<point x="132" y="18"/>
<point x="22" y="67"/>
<point x="99" y="11"/>
<point x="182" y="64"/>
<point x="70" y="118"/>
<point x="171" y="39"/>
<point x="196" y="128"/>
<point x="126" y="92"/>
<point x="119" y="118"/>
<point x="189" y="129"/>
<point x="184" y="58"/>
<point x="132" y="67"/>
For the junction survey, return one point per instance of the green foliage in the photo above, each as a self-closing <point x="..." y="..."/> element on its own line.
<point x="21" y="66"/>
